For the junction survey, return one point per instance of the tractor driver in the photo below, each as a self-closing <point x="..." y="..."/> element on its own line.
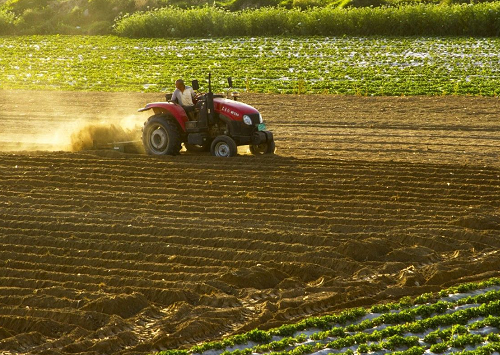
<point x="183" y="95"/>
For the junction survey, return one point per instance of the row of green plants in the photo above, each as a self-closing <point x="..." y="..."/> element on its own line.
<point x="23" y="17"/>
<point x="302" y="65"/>
<point x="488" y="349"/>
<point x="478" y="20"/>
<point x="344" y="337"/>
<point x="486" y="345"/>
<point x="437" y="342"/>
<point x="444" y="324"/>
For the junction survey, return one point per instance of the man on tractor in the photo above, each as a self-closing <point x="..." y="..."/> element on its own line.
<point x="220" y="124"/>
<point x="183" y="95"/>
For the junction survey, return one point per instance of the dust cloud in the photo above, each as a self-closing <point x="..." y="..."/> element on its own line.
<point x="33" y="137"/>
<point x="68" y="121"/>
<point x="103" y="134"/>
<point x="71" y="136"/>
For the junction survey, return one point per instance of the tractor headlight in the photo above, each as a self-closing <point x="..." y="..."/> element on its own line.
<point x="247" y="120"/>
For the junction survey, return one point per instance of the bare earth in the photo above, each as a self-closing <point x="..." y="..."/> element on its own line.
<point x="367" y="199"/>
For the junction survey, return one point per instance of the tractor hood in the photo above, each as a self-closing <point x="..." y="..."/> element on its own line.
<point x="233" y="109"/>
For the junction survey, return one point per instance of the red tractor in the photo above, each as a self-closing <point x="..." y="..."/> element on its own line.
<point x="220" y="125"/>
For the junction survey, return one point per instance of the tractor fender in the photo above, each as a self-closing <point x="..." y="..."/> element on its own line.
<point x="174" y="110"/>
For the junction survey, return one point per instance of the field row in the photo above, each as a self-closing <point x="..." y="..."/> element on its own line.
<point x="327" y="196"/>
<point x="87" y="238"/>
<point x="367" y="200"/>
<point x="353" y="65"/>
<point x="458" y="130"/>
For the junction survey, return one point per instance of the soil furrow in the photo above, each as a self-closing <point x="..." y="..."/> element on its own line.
<point x="367" y="199"/>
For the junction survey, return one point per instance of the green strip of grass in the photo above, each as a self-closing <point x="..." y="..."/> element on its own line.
<point x="306" y="65"/>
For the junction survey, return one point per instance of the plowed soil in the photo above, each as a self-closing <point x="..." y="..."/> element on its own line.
<point x="367" y="199"/>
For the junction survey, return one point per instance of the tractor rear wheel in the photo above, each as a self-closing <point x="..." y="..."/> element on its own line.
<point x="161" y="136"/>
<point x="264" y="148"/>
<point x="224" y="146"/>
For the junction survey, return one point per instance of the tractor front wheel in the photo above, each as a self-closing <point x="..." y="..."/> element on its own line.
<point x="224" y="146"/>
<point x="264" y="148"/>
<point x="161" y="136"/>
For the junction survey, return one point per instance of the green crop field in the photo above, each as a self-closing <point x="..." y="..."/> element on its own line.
<point x="321" y="65"/>
<point x="461" y="320"/>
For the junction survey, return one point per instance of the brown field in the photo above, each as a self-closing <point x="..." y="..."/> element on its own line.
<point x="367" y="199"/>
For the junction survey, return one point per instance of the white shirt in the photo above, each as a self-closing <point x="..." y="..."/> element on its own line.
<point x="184" y="98"/>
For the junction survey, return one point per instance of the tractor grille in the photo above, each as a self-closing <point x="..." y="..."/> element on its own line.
<point x="255" y="118"/>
